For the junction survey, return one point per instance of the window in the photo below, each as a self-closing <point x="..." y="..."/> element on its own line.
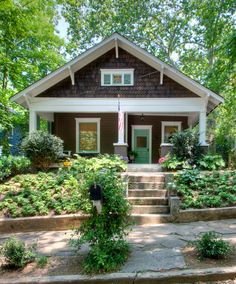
<point x="117" y="77"/>
<point x="87" y="135"/>
<point x="168" y="129"/>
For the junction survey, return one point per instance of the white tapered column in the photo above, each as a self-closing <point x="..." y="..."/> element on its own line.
<point x="120" y="147"/>
<point x="202" y="128"/>
<point x="121" y="127"/>
<point x="32" y="121"/>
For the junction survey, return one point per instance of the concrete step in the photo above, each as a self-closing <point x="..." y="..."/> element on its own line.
<point x="146" y="178"/>
<point x="146" y="185"/>
<point x="147" y="193"/>
<point x="144" y="168"/>
<point x="148" y="219"/>
<point x="148" y="200"/>
<point x="150" y="209"/>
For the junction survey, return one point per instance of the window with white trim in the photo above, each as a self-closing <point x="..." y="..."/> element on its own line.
<point x="117" y="77"/>
<point x="88" y="135"/>
<point x="168" y="128"/>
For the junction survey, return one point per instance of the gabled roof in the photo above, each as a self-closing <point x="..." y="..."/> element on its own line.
<point x="114" y="41"/>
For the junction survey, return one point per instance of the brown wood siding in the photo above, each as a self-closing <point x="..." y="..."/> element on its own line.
<point x="65" y="128"/>
<point x="155" y="121"/>
<point x="146" y="80"/>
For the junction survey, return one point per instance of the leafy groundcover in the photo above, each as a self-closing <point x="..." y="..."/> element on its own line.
<point x="63" y="191"/>
<point x="206" y="189"/>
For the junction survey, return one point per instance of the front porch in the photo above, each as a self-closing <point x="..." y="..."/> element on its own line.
<point x="88" y="131"/>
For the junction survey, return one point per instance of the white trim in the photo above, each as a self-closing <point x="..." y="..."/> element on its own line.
<point x="168" y="123"/>
<point x="32" y="121"/>
<point x="202" y="128"/>
<point x="72" y="75"/>
<point x="161" y="75"/>
<point x="96" y="120"/>
<point x="142" y="105"/>
<point x="27" y="100"/>
<point x="117" y="48"/>
<point x="126" y="127"/>
<point x="100" y="49"/>
<point x="148" y="127"/>
<point x="118" y="71"/>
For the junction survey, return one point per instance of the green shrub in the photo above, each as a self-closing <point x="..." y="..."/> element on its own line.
<point x="42" y="261"/>
<point x="42" y="149"/>
<point x="211" y="162"/>
<point x="170" y="162"/>
<point x="16" y="253"/>
<point x="105" y="232"/>
<point x="210" y="245"/>
<point x="13" y="165"/>
<point x="105" y="257"/>
<point x="186" y="147"/>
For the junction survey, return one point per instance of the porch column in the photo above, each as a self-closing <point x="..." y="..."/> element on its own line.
<point x="121" y="127"/>
<point x="120" y="148"/>
<point x="202" y="128"/>
<point x="32" y="121"/>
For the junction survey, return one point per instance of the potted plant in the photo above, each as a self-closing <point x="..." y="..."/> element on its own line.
<point x="132" y="155"/>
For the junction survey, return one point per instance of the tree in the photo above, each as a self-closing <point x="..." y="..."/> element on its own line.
<point x="29" y="50"/>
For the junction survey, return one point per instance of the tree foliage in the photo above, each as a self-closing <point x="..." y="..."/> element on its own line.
<point x="29" y="50"/>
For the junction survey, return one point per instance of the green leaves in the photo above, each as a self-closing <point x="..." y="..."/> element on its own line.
<point x="211" y="245"/>
<point x="42" y="149"/>
<point x="105" y="232"/>
<point x="202" y="190"/>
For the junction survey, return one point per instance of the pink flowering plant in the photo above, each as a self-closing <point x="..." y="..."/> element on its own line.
<point x="162" y="160"/>
<point x="170" y="162"/>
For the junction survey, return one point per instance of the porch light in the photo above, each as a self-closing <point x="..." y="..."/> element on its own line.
<point x="142" y="117"/>
<point x="95" y="194"/>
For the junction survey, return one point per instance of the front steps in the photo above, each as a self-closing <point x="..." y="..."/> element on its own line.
<point x="148" y="196"/>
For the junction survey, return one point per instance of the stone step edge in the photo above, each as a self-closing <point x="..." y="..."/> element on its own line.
<point x="147" y="189"/>
<point x="150" y="215"/>
<point x="180" y="276"/>
<point x="147" y="198"/>
<point x="150" y="206"/>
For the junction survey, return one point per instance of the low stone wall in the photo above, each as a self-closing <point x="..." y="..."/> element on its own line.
<point x="208" y="214"/>
<point x="67" y="222"/>
<point x="40" y="223"/>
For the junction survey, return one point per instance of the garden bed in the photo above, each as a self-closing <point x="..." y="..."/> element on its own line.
<point x="41" y="194"/>
<point x="199" y="190"/>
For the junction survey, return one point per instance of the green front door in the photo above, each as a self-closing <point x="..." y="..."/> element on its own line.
<point x="141" y="145"/>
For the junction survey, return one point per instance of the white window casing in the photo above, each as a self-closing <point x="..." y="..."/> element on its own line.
<point x="108" y="77"/>
<point x="87" y="120"/>
<point x="168" y="123"/>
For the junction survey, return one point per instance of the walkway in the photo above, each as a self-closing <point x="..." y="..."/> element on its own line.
<point x="153" y="248"/>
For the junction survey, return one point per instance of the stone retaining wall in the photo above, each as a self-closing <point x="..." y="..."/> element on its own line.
<point x="66" y="222"/>
<point x="40" y="223"/>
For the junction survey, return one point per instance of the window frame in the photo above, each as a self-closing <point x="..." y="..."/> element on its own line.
<point x="121" y="72"/>
<point x="96" y="120"/>
<point x="168" y="123"/>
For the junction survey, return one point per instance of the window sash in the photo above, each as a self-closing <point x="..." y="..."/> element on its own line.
<point x="87" y="135"/>
<point x="110" y="77"/>
<point x="168" y="127"/>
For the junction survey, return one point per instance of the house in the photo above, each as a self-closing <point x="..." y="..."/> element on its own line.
<point x="13" y="137"/>
<point x="116" y="97"/>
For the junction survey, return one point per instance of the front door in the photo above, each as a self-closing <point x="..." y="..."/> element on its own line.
<point x="141" y="144"/>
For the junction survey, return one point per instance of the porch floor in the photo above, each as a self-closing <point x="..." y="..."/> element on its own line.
<point x="144" y="168"/>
